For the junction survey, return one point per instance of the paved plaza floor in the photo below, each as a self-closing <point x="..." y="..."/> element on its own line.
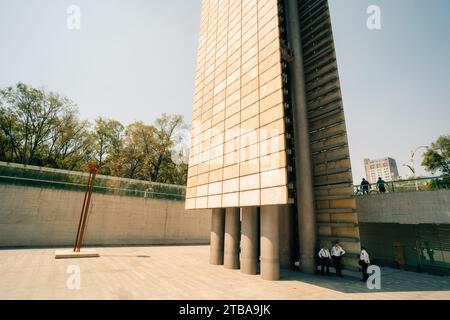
<point x="183" y="272"/>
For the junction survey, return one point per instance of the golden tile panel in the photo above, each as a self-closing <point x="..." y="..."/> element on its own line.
<point x="238" y="153"/>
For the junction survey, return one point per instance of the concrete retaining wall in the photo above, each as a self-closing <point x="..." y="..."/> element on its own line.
<point x="430" y="207"/>
<point x="45" y="217"/>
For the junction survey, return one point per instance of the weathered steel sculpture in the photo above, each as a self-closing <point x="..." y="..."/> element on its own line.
<point x="93" y="170"/>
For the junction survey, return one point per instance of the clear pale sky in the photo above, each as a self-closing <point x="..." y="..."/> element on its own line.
<point x="135" y="59"/>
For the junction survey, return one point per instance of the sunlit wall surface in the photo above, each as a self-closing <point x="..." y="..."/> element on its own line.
<point x="238" y="154"/>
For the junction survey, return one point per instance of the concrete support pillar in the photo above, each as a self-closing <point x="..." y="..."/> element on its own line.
<point x="232" y="238"/>
<point x="270" y="243"/>
<point x="217" y="237"/>
<point x="305" y="189"/>
<point x="287" y="260"/>
<point x="250" y="240"/>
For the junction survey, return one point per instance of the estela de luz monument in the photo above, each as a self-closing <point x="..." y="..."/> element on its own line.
<point x="269" y="151"/>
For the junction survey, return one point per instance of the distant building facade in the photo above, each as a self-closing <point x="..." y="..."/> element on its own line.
<point x="385" y="168"/>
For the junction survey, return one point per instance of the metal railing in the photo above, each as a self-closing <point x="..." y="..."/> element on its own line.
<point x="41" y="177"/>
<point x="411" y="185"/>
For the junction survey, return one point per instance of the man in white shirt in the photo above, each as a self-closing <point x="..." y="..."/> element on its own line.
<point x="364" y="262"/>
<point x="337" y="253"/>
<point x="324" y="257"/>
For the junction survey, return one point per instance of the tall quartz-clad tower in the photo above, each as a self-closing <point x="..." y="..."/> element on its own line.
<point x="269" y="151"/>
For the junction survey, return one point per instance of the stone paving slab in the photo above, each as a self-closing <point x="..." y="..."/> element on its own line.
<point x="183" y="272"/>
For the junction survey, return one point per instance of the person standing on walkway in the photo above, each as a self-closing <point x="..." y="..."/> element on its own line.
<point x="364" y="262"/>
<point x="336" y="254"/>
<point x="381" y="185"/>
<point x="365" y="185"/>
<point x="325" y="258"/>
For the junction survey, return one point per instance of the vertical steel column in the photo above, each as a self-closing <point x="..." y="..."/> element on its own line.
<point x="304" y="184"/>
<point x="270" y="243"/>
<point x="249" y="240"/>
<point x="232" y="238"/>
<point x="217" y="237"/>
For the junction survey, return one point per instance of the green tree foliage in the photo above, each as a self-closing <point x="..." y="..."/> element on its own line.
<point x="437" y="157"/>
<point x="32" y="123"/>
<point x="107" y="142"/>
<point x="168" y="130"/>
<point x="42" y="128"/>
<point x="149" y="152"/>
<point x="70" y="145"/>
<point x="135" y="154"/>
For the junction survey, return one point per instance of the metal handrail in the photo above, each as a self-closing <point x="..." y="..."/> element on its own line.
<point x="76" y="181"/>
<point x="95" y="187"/>
<point x="81" y="174"/>
<point x="409" y="185"/>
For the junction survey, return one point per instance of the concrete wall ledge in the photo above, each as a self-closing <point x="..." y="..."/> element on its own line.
<point x="422" y="207"/>
<point x="39" y="217"/>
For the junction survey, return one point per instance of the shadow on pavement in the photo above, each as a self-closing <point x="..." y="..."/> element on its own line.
<point x="392" y="280"/>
